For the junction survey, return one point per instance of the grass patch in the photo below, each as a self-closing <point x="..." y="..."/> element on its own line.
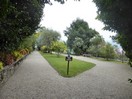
<point x="60" y="65"/>
<point x="110" y="60"/>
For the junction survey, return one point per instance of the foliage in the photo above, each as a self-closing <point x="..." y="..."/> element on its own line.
<point x="62" y="1"/>
<point x="109" y="51"/>
<point x="97" y="43"/>
<point x="43" y="49"/>
<point x="97" y="40"/>
<point x="29" y="42"/>
<point x="79" y="29"/>
<point x="99" y="48"/>
<point x="60" y="65"/>
<point x="20" y="19"/>
<point x="120" y="54"/>
<point x="9" y="59"/>
<point x="24" y="51"/>
<point x="47" y="37"/>
<point x="1" y="65"/>
<point x="17" y="55"/>
<point x="58" y="46"/>
<point x="24" y="48"/>
<point x="78" y="46"/>
<point x="116" y="15"/>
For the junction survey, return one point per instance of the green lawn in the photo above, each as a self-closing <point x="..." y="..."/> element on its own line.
<point x="60" y="65"/>
<point x="114" y="61"/>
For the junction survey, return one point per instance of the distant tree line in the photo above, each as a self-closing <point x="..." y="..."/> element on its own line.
<point x="49" y="41"/>
<point x="116" y="15"/>
<point x="85" y="40"/>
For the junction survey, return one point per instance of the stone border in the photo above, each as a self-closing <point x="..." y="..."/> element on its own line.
<point x="9" y="70"/>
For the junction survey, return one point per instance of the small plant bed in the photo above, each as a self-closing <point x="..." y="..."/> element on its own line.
<point x="60" y="65"/>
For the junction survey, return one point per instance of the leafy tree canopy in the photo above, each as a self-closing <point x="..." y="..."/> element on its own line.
<point x="79" y="29"/>
<point x="18" y="19"/>
<point x="116" y="15"/>
<point x="96" y="43"/>
<point x="97" y="40"/>
<point x="47" y="37"/>
<point x="78" y="45"/>
<point x="29" y="42"/>
<point x="109" y="51"/>
<point x="58" y="47"/>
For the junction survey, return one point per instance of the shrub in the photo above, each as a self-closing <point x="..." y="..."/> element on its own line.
<point x="23" y="52"/>
<point x="44" y="49"/>
<point x="9" y="59"/>
<point x="1" y="66"/>
<point x="17" y="55"/>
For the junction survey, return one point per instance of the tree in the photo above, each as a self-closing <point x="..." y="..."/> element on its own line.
<point x="47" y="37"/>
<point x="29" y="42"/>
<point x="78" y="45"/>
<point x="109" y="51"/>
<point x="120" y="54"/>
<point x="18" y="20"/>
<point x="96" y="43"/>
<point x="58" y="47"/>
<point x="116" y="15"/>
<point x="79" y="29"/>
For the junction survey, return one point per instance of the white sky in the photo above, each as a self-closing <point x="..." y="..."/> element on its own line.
<point x="58" y="17"/>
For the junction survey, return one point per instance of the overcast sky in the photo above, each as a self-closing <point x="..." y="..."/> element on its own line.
<point x="58" y="17"/>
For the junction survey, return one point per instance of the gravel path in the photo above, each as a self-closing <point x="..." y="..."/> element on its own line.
<point x="36" y="79"/>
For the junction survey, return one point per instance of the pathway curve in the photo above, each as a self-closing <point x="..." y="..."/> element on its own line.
<point x="36" y="79"/>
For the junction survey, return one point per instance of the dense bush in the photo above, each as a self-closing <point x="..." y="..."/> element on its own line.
<point x="9" y="58"/>
<point x="1" y="66"/>
<point x="17" y="55"/>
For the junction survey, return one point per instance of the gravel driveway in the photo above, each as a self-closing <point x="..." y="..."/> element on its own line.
<point x="36" y="79"/>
